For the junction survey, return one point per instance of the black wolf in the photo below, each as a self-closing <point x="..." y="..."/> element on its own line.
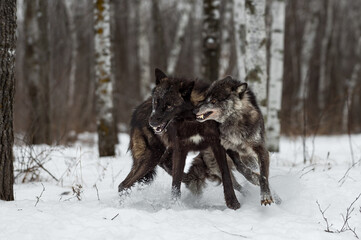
<point x="171" y="133"/>
<point x="242" y="132"/>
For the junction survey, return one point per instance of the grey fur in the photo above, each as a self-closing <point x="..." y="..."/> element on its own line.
<point x="230" y="103"/>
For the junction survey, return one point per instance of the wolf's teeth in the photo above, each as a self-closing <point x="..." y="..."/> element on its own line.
<point x="202" y="116"/>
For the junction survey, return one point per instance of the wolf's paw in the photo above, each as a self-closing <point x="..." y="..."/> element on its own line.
<point x="233" y="204"/>
<point x="266" y="199"/>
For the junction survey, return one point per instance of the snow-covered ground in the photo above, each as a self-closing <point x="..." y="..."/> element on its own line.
<point x="147" y="213"/>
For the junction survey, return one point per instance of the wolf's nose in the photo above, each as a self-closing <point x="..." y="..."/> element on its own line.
<point x="195" y="111"/>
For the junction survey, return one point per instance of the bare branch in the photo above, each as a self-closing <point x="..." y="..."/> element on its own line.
<point x="96" y="188"/>
<point x="324" y="218"/>
<point x="233" y="234"/>
<point x="343" y="179"/>
<point x="346" y="226"/>
<point x="41" y="194"/>
<point x="115" y="216"/>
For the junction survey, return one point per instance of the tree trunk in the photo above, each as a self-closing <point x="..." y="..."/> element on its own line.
<point x="239" y="20"/>
<point x="277" y="11"/>
<point x="36" y="67"/>
<point x="256" y="60"/>
<point x="7" y="89"/>
<point x="211" y="39"/>
<point x="70" y="7"/>
<point x="103" y="79"/>
<point x="143" y="49"/>
<point x="159" y="45"/>
<point x="184" y="7"/>
<point x="225" y="54"/>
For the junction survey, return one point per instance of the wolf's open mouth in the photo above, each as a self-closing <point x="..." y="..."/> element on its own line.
<point x="203" y="116"/>
<point x="159" y="129"/>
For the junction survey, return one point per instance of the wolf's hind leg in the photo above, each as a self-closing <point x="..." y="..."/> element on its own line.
<point x="263" y="159"/>
<point x="143" y="171"/>
<point x="195" y="178"/>
<point x="251" y="176"/>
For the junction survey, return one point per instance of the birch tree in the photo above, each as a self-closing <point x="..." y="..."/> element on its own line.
<point x="143" y="48"/>
<point x="255" y="54"/>
<point x="225" y="54"/>
<point x="36" y="66"/>
<point x="277" y="11"/>
<point x="103" y="78"/>
<point x="211" y="39"/>
<point x="239" y="22"/>
<point x="184" y="7"/>
<point x="7" y="89"/>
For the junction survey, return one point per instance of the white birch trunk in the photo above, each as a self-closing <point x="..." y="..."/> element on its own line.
<point x="211" y="39"/>
<point x="225" y="55"/>
<point x="256" y="60"/>
<point x="103" y="78"/>
<point x="144" y="49"/>
<point x="276" y="75"/>
<point x="184" y="7"/>
<point x="239" y="20"/>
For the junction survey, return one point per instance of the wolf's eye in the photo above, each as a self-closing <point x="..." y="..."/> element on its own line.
<point x="213" y="101"/>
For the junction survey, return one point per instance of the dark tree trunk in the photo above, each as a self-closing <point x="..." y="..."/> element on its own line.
<point x="36" y="67"/>
<point x="211" y="39"/>
<point x="7" y="88"/>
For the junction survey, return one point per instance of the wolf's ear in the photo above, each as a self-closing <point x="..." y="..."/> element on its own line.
<point x="159" y="75"/>
<point x="228" y="77"/>
<point x="241" y="89"/>
<point x="186" y="89"/>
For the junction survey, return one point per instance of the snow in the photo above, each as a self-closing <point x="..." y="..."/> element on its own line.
<point x="147" y="212"/>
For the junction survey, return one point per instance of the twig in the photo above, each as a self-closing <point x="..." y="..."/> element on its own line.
<point x="312" y="169"/>
<point x="38" y="197"/>
<point x="343" y="179"/>
<point x="233" y="234"/>
<point x="349" y="211"/>
<point x="46" y="170"/>
<point x="346" y="226"/>
<point x="349" y="125"/>
<point x="96" y="188"/>
<point x="115" y="216"/>
<point x="324" y="218"/>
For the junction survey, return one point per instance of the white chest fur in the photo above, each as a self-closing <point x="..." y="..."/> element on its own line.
<point x="196" y="139"/>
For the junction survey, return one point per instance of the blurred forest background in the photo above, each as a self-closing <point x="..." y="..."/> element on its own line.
<point x="321" y="71"/>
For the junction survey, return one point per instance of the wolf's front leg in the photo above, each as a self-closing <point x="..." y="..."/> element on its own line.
<point x="179" y="157"/>
<point x="230" y="197"/>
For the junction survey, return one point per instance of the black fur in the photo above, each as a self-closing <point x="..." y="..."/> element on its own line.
<point x="171" y="116"/>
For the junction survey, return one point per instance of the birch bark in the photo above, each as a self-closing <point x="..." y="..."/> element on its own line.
<point x="143" y="49"/>
<point x="211" y="38"/>
<point x="256" y="60"/>
<point x="103" y="78"/>
<point x="225" y="54"/>
<point x="240" y="36"/>
<point x="276" y="75"/>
